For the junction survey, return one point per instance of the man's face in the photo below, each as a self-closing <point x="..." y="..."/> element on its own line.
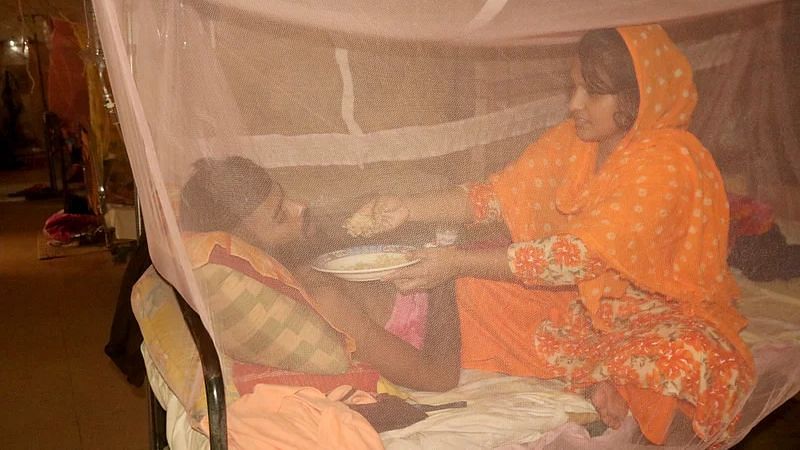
<point x="279" y="223"/>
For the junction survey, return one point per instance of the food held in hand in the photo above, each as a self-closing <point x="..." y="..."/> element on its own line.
<point x="364" y="225"/>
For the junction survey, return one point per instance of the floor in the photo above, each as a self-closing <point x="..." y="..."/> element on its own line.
<point x="61" y="391"/>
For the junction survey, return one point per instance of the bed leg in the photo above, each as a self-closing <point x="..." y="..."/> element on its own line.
<point x="158" y="421"/>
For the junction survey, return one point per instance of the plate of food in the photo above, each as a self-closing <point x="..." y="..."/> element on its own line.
<point x="366" y="262"/>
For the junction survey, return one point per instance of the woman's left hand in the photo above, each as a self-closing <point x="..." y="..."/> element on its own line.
<point x="437" y="266"/>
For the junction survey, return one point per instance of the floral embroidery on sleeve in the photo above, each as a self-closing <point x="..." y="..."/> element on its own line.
<point x="556" y="260"/>
<point x="485" y="206"/>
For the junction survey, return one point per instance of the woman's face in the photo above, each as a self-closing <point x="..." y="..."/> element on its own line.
<point x="278" y="223"/>
<point x="593" y="113"/>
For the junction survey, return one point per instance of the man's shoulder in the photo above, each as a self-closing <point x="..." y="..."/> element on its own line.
<point x="227" y="250"/>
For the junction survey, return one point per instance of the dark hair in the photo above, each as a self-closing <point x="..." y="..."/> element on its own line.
<point x="607" y="68"/>
<point x="221" y="193"/>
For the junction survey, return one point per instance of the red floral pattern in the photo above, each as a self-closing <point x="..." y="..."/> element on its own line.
<point x="565" y="252"/>
<point x="529" y="262"/>
<point x="485" y="206"/>
<point x="556" y="260"/>
<point x="653" y="345"/>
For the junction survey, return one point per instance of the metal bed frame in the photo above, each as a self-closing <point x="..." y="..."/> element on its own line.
<point x="212" y="379"/>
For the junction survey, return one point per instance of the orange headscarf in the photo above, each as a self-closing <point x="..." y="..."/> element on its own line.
<point x="656" y="212"/>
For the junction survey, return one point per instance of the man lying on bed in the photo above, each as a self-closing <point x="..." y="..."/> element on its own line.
<point x="412" y="340"/>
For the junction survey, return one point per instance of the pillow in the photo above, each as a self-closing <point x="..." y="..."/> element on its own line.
<point x="172" y="349"/>
<point x="265" y="316"/>
<point x="170" y="345"/>
<point x="261" y="324"/>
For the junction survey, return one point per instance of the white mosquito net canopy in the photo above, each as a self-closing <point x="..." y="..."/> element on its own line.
<point x="340" y="102"/>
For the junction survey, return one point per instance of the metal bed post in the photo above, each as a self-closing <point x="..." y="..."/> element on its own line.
<point x="212" y="375"/>
<point x="157" y="422"/>
<point x="212" y="379"/>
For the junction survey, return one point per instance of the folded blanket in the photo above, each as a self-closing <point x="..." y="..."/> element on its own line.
<point x="280" y="417"/>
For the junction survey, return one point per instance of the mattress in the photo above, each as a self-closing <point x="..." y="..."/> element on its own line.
<point x="515" y="413"/>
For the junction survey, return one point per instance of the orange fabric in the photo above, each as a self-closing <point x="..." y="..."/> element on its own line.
<point x="493" y="340"/>
<point x="281" y="417"/>
<point x="656" y="213"/>
<point x="654" y="412"/>
<point x="247" y="376"/>
<point x="200" y="246"/>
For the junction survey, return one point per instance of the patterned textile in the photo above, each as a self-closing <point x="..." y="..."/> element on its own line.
<point x="173" y="351"/>
<point x="256" y="324"/>
<point x="226" y="250"/>
<point x="485" y="206"/>
<point x="557" y="260"/>
<point x="652" y="346"/>
<point x="169" y="343"/>
<point x="697" y="365"/>
<point x="608" y="255"/>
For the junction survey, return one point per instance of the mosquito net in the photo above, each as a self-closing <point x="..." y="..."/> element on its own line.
<point x="257" y="129"/>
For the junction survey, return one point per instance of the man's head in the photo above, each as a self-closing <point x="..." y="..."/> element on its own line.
<point x="237" y="196"/>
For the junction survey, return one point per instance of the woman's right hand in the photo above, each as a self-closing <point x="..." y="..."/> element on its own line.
<point x="382" y="214"/>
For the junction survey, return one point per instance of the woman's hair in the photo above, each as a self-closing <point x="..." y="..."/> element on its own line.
<point x="221" y="193"/>
<point x="607" y="69"/>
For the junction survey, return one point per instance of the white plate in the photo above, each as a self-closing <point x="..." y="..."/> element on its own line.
<point x="365" y="263"/>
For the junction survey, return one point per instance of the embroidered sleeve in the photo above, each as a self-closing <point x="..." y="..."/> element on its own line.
<point x="554" y="261"/>
<point x="484" y="203"/>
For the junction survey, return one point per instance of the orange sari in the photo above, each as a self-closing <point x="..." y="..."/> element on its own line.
<point x="654" y="221"/>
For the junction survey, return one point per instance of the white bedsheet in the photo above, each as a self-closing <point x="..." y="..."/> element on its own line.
<point x="504" y="410"/>
<point x="500" y="410"/>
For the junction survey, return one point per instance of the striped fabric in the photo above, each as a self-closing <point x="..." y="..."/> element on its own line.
<point x="257" y="324"/>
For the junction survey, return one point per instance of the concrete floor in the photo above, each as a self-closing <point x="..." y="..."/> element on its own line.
<point x="61" y="391"/>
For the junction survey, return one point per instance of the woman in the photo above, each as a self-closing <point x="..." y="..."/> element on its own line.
<point x="616" y="279"/>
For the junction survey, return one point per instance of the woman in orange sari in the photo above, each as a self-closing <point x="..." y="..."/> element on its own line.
<point x="616" y="280"/>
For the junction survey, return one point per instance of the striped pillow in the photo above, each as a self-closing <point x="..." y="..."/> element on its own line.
<point x="262" y="324"/>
